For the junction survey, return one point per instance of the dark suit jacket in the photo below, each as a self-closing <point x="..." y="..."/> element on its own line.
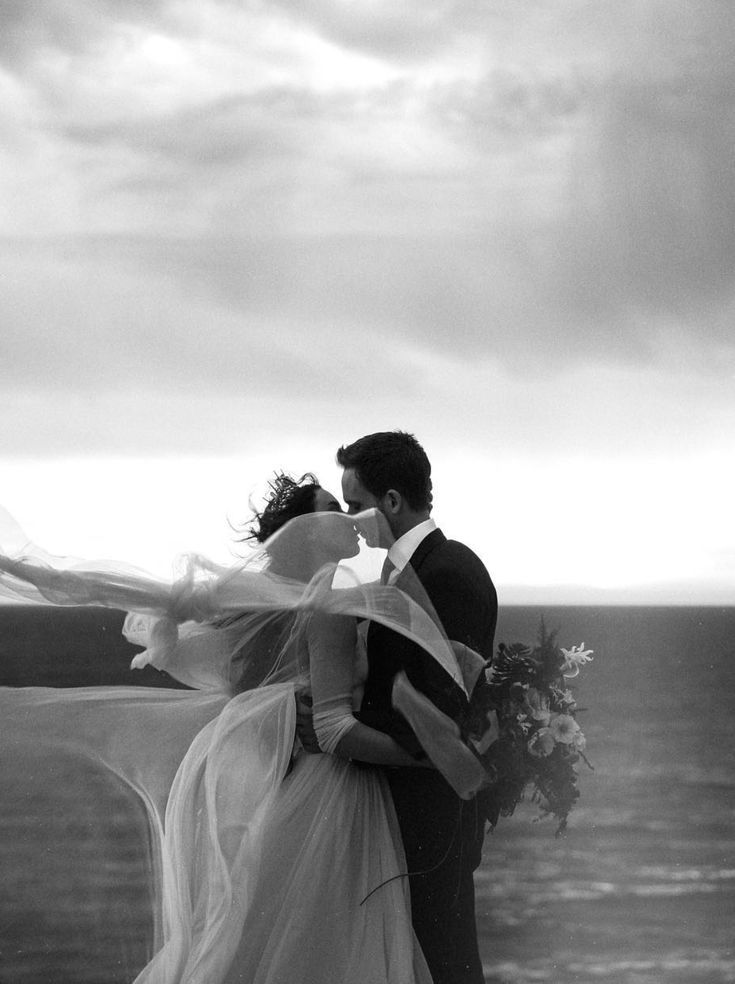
<point x="465" y="600"/>
<point x="442" y="834"/>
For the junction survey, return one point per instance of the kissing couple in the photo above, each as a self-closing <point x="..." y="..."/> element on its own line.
<point x="311" y="798"/>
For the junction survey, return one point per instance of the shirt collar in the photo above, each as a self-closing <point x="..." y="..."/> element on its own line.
<point x="405" y="546"/>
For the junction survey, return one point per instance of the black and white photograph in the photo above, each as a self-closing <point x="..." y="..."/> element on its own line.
<point x="367" y="468"/>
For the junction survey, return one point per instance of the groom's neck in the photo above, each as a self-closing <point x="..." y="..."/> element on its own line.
<point x="406" y="521"/>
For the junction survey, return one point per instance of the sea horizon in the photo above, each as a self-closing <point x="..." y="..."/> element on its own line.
<point x="640" y="890"/>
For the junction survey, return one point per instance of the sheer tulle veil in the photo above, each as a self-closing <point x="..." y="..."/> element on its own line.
<point x="223" y="632"/>
<point x="209" y="617"/>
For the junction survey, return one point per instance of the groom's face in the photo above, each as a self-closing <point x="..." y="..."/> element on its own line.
<point x="355" y="494"/>
<point x="358" y="499"/>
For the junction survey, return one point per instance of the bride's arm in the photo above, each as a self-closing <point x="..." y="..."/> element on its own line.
<point x="331" y="640"/>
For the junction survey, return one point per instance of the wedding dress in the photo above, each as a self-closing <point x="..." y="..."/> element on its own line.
<point x="271" y="865"/>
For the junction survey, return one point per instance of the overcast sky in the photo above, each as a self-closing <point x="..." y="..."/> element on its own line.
<point x="236" y="235"/>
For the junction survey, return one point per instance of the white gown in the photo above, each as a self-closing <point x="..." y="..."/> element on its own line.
<point x="280" y="867"/>
<point x="270" y="867"/>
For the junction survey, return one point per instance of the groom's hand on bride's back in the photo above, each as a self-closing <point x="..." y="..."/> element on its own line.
<point x="305" y="724"/>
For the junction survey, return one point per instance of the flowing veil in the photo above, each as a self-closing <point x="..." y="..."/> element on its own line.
<point x="196" y="626"/>
<point x="201" y="762"/>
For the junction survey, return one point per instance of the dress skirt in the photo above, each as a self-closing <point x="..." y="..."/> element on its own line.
<point x="280" y="869"/>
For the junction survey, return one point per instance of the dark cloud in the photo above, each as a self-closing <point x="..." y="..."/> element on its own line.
<point x="403" y="31"/>
<point x="505" y="104"/>
<point x="413" y="31"/>
<point x="304" y="317"/>
<point x="118" y="315"/>
<point x="127" y="346"/>
<point x="235" y="130"/>
<point x="462" y="297"/>
<point x="651" y="221"/>
<point x="303" y="237"/>
<point x="67" y="25"/>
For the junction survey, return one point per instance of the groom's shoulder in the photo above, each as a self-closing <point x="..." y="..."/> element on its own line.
<point x="457" y="554"/>
<point x="467" y="557"/>
<point x="459" y="585"/>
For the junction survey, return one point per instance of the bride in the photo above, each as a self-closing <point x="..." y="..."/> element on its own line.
<point x="274" y="865"/>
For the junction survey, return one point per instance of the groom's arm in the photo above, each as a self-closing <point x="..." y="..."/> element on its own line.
<point x="392" y="653"/>
<point x="465" y="601"/>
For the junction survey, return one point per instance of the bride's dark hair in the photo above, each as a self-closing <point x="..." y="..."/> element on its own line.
<point x="289" y="497"/>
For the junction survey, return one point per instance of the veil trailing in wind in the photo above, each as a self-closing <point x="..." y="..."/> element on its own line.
<point x="201" y="762"/>
<point x="202" y="627"/>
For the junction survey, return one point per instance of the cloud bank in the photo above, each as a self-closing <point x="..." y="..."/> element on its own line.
<point x="283" y="204"/>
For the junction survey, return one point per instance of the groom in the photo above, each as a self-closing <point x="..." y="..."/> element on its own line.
<point x="442" y="834"/>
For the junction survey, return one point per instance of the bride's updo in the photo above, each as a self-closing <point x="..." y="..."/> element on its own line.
<point x="302" y="528"/>
<point x="257" y="662"/>
<point x="289" y="497"/>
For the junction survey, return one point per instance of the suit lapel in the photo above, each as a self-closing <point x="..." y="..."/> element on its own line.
<point x="435" y="539"/>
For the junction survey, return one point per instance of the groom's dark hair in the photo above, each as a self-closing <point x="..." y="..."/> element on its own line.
<point x="390" y="460"/>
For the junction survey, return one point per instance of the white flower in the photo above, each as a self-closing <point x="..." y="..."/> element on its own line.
<point x="542" y="743"/>
<point x="579" y="742"/>
<point x="141" y="660"/>
<point x="160" y="635"/>
<point x="568" y="700"/>
<point x="574" y="658"/>
<point x="563" y="728"/>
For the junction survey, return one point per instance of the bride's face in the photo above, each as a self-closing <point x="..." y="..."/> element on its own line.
<point x="340" y="535"/>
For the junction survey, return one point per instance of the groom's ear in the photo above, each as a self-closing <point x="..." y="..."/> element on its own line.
<point x="393" y="501"/>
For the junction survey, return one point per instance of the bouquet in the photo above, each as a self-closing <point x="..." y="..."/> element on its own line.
<point x="523" y="728"/>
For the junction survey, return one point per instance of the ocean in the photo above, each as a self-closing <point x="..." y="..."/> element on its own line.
<point x="640" y="890"/>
